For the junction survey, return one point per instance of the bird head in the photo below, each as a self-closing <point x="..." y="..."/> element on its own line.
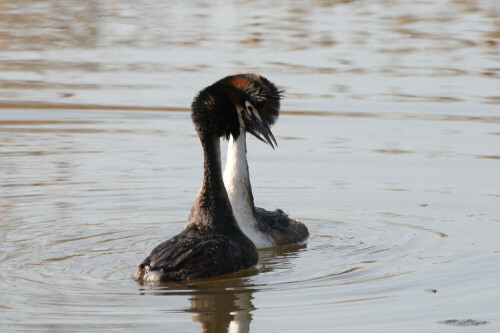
<point x="243" y="101"/>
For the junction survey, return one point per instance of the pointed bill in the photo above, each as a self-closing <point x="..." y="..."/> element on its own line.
<point x="260" y="130"/>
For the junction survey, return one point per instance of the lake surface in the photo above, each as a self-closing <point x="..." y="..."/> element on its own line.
<point x="389" y="151"/>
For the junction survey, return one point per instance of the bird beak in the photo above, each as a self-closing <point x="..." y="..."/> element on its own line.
<point x="259" y="128"/>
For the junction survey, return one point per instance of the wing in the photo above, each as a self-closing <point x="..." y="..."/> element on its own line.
<point x="194" y="255"/>
<point x="278" y="222"/>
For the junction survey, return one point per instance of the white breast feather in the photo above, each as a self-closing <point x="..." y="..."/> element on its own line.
<point x="236" y="178"/>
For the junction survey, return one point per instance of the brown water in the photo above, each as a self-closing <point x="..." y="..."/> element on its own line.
<point x="389" y="151"/>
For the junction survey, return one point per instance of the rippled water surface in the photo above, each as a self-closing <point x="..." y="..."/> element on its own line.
<point x="389" y="151"/>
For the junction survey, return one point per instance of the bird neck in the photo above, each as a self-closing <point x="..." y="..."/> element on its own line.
<point x="212" y="209"/>
<point x="236" y="174"/>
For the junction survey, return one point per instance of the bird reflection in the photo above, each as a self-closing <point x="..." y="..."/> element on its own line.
<point x="226" y="305"/>
<point x="225" y="309"/>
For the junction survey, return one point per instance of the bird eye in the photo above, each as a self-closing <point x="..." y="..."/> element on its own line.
<point x="250" y="108"/>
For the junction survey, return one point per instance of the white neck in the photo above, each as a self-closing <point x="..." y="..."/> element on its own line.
<point x="239" y="190"/>
<point x="236" y="160"/>
<point x="236" y="176"/>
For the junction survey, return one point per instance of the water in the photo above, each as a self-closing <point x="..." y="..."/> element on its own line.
<point x="388" y="150"/>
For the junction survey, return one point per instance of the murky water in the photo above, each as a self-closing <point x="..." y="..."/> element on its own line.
<point x="389" y="151"/>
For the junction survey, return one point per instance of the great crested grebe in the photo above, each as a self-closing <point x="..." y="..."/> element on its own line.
<point x="264" y="228"/>
<point x="211" y="242"/>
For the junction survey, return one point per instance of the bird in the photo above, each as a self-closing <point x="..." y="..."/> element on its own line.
<point x="211" y="242"/>
<point x="265" y="228"/>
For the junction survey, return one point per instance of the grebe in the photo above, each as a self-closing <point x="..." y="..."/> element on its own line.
<point x="264" y="228"/>
<point x="211" y="242"/>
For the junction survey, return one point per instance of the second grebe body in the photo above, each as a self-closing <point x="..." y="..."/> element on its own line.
<point x="264" y="228"/>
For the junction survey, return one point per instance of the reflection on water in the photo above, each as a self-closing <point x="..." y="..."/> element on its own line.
<point x="388" y="152"/>
<point x="221" y="305"/>
<point x="220" y="312"/>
